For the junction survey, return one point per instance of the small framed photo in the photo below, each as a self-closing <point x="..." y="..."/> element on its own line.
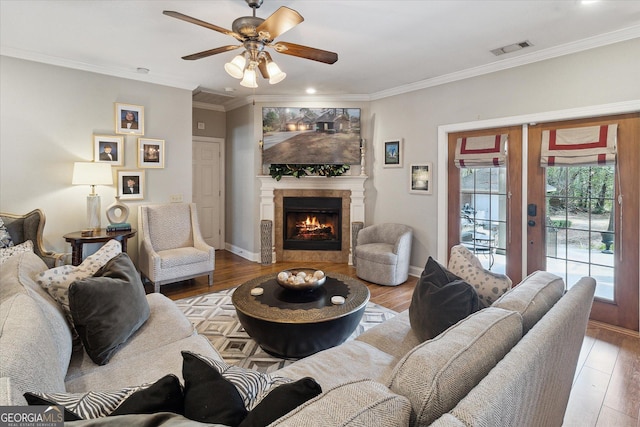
<point x="150" y="153"/>
<point x="420" y="177"/>
<point x="393" y="153"/>
<point x="129" y="119"/>
<point x="108" y="149"/>
<point x="131" y="184"/>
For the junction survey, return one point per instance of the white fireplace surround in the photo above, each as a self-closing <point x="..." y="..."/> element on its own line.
<point x="355" y="184"/>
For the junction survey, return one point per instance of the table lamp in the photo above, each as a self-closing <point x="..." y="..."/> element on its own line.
<point x="92" y="173"/>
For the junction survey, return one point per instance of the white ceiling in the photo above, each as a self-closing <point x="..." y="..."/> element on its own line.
<point x="384" y="47"/>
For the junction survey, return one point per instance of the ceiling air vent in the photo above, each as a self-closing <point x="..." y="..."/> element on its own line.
<point x="511" y="48"/>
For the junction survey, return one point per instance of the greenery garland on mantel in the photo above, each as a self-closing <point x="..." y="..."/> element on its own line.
<point x="277" y="171"/>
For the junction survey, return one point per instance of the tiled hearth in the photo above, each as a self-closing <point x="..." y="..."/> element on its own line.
<point x="349" y="188"/>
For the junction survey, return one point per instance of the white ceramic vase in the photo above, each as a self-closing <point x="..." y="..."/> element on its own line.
<point x="117" y="212"/>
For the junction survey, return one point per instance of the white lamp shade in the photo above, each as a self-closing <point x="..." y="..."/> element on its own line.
<point x="92" y="173"/>
<point x="275" y="73"/>
<point x="236" y="67"/>
<point x="249" y="79"/>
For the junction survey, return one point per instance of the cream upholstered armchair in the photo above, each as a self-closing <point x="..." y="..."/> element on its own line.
<point x="382" y="253"/>
<point x="171" y="246"/>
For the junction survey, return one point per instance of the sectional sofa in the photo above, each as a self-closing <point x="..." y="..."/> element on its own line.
<point x="511" y="364"/>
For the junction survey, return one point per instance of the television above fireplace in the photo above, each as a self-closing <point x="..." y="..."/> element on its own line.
<point x="310" y="135"/>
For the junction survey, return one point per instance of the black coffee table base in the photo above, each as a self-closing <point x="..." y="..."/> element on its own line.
<point x="298" y="340"/>
<point x="292" y="325"/>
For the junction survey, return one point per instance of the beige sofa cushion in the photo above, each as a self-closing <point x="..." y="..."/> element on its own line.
<point x="352" y="360"/>
<point x="533" y="297"/>
<point x="34" y="363"/>
<point x="354" y="403"/>
<point x="26" y="310"/>
<point x="438" y="373"/>
<point x="166" y="324"/>
<point x="394" y="336"/>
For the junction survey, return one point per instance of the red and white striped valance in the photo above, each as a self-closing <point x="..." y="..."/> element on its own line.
<point x="481" y="151"/>
<point x="591" y="145"/>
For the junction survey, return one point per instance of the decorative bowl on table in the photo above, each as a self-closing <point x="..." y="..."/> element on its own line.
<point x="301" y="279"/>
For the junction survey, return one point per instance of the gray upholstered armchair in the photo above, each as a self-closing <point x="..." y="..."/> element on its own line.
<point x="171" y="245"/>
<point x="30" y="226"/>
<point x="382" y="253"/>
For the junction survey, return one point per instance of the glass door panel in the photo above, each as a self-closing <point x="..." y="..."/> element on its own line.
<point x="580" y="208"/>
<point x="483" y="217"/>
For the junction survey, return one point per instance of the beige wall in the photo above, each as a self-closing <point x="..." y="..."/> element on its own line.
<point x="48" y="116"/>
<point x="215" y="125"/>
<point x="49" y="113"/>
<point x="599" y="76"/>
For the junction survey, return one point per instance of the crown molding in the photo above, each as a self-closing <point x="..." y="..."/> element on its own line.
<point x="239" y="102"/>
<point x="503" y="64"/>
<point x="541" y="55"/>
<point x="206" y="106"/>
<point x="124" y="73"/>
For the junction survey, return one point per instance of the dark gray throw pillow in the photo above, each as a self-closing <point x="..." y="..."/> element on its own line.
<point x="108" y="307"/>
<point x="440" y="299"/>
<point x="280" y="401"/>
<point x="208" y="396"/>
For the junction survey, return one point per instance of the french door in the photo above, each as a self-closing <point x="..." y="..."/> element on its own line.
<point x="485" y="206"/>
<point x="575" y="225"/>
<point x="586" y="221"/>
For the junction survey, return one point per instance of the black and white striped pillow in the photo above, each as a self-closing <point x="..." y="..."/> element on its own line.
<point x="84" y="406"/>
<point x="164" y="395"/>
<point x="252" y="385"/>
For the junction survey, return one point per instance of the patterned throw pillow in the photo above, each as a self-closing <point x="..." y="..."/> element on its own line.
<point x="252" y="385"/>
<point x="6" y="253"/>
<point x="5" y="237"/>
<point x="489" y="286"/>
<point x="165" y="395"/>
<point x="57" y="280"/>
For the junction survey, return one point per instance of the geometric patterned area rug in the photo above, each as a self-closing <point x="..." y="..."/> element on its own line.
<point x="214" y="316"/>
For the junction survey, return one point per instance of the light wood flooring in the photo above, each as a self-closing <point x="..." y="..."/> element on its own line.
<point x="606" y="390"/>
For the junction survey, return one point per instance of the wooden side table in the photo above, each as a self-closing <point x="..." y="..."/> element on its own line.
<point x="77" y="241"/>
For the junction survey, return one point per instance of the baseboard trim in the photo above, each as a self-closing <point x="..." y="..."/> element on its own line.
<point x="236" y="250"/>
<point x="613" y="328"/>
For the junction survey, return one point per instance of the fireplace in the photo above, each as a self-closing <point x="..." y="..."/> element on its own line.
<point x="312" y="223"/>
<point x="350" y="189"/>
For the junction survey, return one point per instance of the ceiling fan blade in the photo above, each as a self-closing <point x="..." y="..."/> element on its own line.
<point x="262" y="66"/>
<point x="210" y="52"/>
<point x="280" y="21"/>
<point x="306" y="52"/>
<point x="196" y="21"/>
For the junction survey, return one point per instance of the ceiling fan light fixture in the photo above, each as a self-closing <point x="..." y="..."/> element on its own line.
<point x="249" y="80"/>
<point x="235" y="68"/>
<point x="276" y="75"/>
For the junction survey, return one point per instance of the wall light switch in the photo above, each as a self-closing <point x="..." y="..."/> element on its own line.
<point x="200" y="125"/>
<point x="175" y="198"/>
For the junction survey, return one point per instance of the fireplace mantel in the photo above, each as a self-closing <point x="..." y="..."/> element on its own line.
<point x="354" y="184"/>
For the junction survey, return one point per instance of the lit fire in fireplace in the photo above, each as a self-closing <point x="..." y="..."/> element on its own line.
<point x="312" y="229"/>
<point x="312" y="226"/>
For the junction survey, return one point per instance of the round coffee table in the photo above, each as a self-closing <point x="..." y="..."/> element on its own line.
<point x="294" y="324"/>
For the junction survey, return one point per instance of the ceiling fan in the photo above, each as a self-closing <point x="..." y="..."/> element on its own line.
<point x="255" y="34"/>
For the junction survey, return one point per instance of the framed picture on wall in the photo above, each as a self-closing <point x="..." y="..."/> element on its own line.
<point x="131" y="184"/>
<point x="150" y="153"/>
<point x="393" y="153"/>
<point x="129" y="119"/>
<point x="420" y="178"/>
<point x="108" y="149"/>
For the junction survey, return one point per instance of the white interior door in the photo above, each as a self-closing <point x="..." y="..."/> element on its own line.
<point x="208" y="175"/>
